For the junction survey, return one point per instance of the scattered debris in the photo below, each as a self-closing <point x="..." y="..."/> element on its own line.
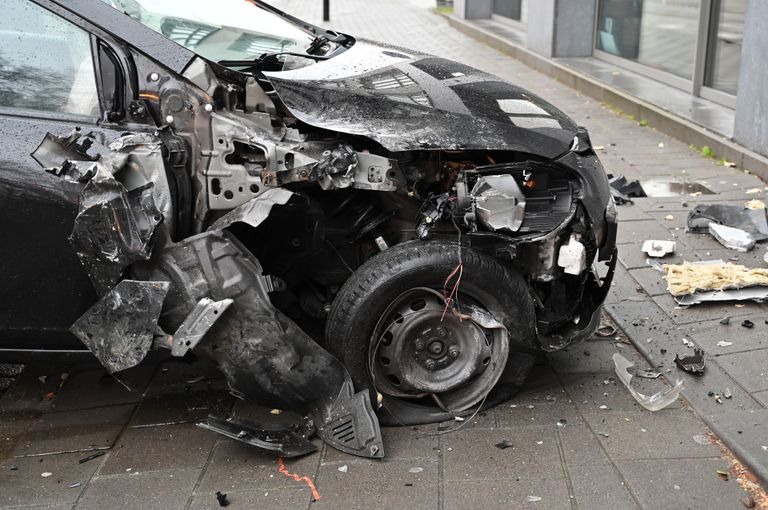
<point x="688" y="343"/>
<point x="693" y="364"/>
<point x="732" y="238"/>
<point x="751" y="220"/>
<point x="658" y="249"/>
<point x="503" y="445"/>
<point x="723" y="475"/>
<point x="748" y="502"/>
<point x="701" y="439"/>
<point x="669" y="217"/>
<point x="606" y="330"/>
<point x="723" y="343"/>
<point x="647" y="374"/>
<point x="74" y="485"/>
<point x="46" y="474"/>
<point x="562" y="422"/>
<point x="275" y="411"/>
<point x="222" y="499"/>
<point x="727" y="393"/>
<point x="698" y="282"/>
<point x="755" y="204"/>
<point x="725" y="320"/>
<point x="603" y="407"/>
<point x="343" y="468"/>
<point x="624" y="191"/>
<point x="415" y="470"/>
<point x="753" y="191"/>
<point x="533" y="499"/>
<point x="91" y="457"/>
<point x="748" y="324"/>
<point x="604" y="434"/>
<point x="288" y="440"/>
<point x="653" y="402"/>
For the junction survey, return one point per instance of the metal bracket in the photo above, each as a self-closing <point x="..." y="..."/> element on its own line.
<point x="205" y="313"/>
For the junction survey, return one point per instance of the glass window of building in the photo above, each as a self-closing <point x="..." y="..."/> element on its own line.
<point x="724" y="46"/>
<point x="657" y="33"/>
<point x="512" y="9"/>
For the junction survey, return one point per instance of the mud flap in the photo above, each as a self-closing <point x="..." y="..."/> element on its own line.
<point x="265" y="357"/>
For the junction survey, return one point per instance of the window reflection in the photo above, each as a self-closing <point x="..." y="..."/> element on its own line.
<point x="658" y="33"/>
<point x="724" y="46"/>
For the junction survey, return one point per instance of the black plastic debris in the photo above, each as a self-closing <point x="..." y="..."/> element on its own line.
<point x="287" y="440"/>
<point x="693" y="364"/>
<point x="748" y="324"/>
<point x="752" y="221"/>
<point x="503" y="445"/>
<point x="725" y="320"/>
<point x="91" y="457"/>
<point x="624" y="191"/>
<point x="222" y="498"/>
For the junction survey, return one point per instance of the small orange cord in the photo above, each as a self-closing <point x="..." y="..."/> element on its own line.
<point x="305" y="479"/>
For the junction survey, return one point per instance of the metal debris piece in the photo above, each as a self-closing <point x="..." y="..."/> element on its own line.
<point x="54" y="149"/>
<point x="119" y="328"/>
<point x="732" y="238"/>
<point x="693" y="364"/>
<point x="647" y="374"/>
<point x="656" y="248"/>
<point x="91" y="457"/>
<point x="222" y="498"/>
<point x="653" y="402"/>
<point x="255" y="211"/>
<point x="504" y="444"/>
<point x="723" y="343"/>
<point x="606" y="330"/>
<point x="748" y="324"/>
<point x="727" y="394"/>
<point x="197" y="324"/>
<point x="752" y="221"/>
<point x="533" y="499"/>
<point x="287" y="440"/>
<point x="725" y="320"/>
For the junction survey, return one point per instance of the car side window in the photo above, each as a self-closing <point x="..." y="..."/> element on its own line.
<point x="45" y="62"/>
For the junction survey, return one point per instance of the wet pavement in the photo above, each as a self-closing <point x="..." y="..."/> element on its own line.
<point x="578" y="438"/>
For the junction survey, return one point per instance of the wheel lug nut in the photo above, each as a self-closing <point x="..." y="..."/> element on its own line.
<point x="430" y="364"/>
<point x="419" y="345"/>
<point x="443" y="333"/>
<point x="453" y="352"/>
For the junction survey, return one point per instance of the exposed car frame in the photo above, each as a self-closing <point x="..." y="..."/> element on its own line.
<point x="249" y="214"/>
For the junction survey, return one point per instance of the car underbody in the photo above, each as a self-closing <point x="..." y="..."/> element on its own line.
<point x="240" y="226"/>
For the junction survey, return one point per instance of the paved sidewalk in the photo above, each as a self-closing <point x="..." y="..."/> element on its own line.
<point x="579" y="440"/>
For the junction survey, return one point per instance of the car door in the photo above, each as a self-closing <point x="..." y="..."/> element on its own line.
<point x="48" y="83"/>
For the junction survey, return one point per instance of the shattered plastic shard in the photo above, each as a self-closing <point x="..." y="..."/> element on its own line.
<point x="732" y="238"/>
<point x="287" y="440"/>
<point x="653" y="402"/>
<point x="655" y="248"/>
<point x="119" y="328"/>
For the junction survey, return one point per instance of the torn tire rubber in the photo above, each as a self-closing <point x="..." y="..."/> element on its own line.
<point x="425" y="348"/>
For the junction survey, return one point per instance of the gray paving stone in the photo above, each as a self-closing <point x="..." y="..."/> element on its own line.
<point x="513" y="493"/>
<point x="761" y="396"/>
<point x="169" y="490"/>
<point x="748" y="368"/>
<point x="629" y="212"/>
<point x="744" y="432"/>
<point x="600" y="488"/>
<point x="633" y="257"/>
<point x="235" y="466"/>
<point x="542" y="386"/>
<point x="400" y="443"/>
<point x="176" y="377"/>
<point x="182" y="408"/>
<point x="26" y="486"/>
<point x="707" y="334"/>
<point x="69" y="431"/>
<point x="379" y="484"/>
<point x="580" y="446"/>
<point x="157" y="448"/>
<point x="645" y="435"/>
<point x="592" y="355"/>
<point x="633" y="231"/>
<point x="96" y="388"/>
<point x="530" y="415"/>
<point x="13" y="426"/>
<point x="651" y="280"/>
<point x="274" y="499"/>
<point x="473" y="456"/>
<point x="655" y="482"/>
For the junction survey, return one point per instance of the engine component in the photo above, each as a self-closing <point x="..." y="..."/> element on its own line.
<point x="499" y="202"/>
<point x="572" y="257"/>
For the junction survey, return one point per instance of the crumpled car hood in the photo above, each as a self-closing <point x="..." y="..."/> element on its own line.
<point x="408" y="101"/>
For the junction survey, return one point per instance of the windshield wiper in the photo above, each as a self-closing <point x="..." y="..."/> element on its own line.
<point x="267" y="59"/>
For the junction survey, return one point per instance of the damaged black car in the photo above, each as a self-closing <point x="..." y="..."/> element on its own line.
<point x="359" y="233"/>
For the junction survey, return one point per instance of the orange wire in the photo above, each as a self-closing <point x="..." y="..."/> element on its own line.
<point x="305" y="479"/>
<point x="449" y="298"/>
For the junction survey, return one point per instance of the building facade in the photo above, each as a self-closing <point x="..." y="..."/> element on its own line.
<point x="715" y="51"/>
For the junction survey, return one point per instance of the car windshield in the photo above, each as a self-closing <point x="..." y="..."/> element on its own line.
<point x="220" y="30"/>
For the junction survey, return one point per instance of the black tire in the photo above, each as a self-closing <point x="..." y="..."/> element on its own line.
<point x="377" y="283"/>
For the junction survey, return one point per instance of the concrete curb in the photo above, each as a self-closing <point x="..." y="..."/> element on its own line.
<point x="658" y="118"/>
<point x="731" y="428"/>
